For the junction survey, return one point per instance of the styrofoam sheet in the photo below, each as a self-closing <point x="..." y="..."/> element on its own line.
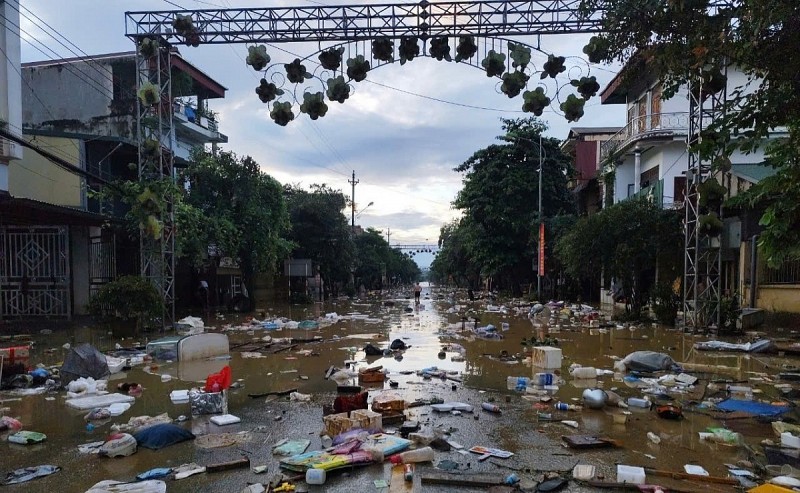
<point x="94" y="401"/>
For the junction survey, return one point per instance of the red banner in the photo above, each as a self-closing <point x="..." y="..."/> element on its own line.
<point x="541" y="249"/>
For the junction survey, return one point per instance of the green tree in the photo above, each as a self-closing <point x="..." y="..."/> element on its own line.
<point x="244" y="208"/>
<point x="498" y="200"/>
<point x="320" y="230"/>
<point x="374" y="258"/>
<point x="628" y="241"/>
<point x="453" y="261"/>
<point x="690" y="41"/>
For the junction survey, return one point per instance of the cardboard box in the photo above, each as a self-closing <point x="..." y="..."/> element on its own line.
<point x="545" y="357"/>
<point x="336" y="424"/>
<point x="369" y="420"/>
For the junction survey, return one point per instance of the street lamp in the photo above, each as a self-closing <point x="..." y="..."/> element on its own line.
<point x="541" y="219"/>
<point x="362" y="210"/>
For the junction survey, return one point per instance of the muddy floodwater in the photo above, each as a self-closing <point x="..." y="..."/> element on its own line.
<point x="520" y="428"/>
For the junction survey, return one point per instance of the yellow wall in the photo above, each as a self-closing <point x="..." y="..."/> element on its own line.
<point x="777" y="297"/>
<point x="35" y="177"/>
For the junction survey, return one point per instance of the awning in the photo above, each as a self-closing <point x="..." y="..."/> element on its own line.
<point x="22" y="211"/>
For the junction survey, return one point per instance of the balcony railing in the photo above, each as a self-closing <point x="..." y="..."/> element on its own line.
<point x="646" y="127"/>
<point x="653" y="192"/>
<point x="188" y="112"/>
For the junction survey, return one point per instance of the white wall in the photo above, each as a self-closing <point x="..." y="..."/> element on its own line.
<point x="78" y="93"/>
<point x="10" y="86"/>
<point x="623" y="178"/>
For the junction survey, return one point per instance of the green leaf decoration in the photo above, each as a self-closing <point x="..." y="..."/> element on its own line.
<point x="357" y="68"/>
<point x="553" y="66"/>
<point x="466" y="48"/>
<point x="535" y="101"/>
<point x="338" y="90"/>
<point x="440" y="49"/>
<point x="494" y="64"/>
<point x="184" y="26"/>
<point x="282" y="113"/>
<point x="520" y="55"/>
<point x="722" y="163"/>
<point x="587" y="86"/>
<point x="710" y="225"/>
<point x="514" y="83"/>
<point x="149" y="94"/>
<point x="408" y="49"/>
<point x="257" y="57"/>
<point x="267" y="91"/>
<point x="573" y="108"/>
<point x="711" y="194"/>
<point x="331" y="59"/>
<point x="314" y="105"/>
<point x="296" y="72"/>
<point x="597" y="49"/>
<point x="383" y="50"/>
<point x="148" y="47"/>
<point x="151" y="148"/>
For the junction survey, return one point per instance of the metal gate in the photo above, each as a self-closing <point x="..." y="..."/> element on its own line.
<point x="102" y="262"/>
<point x="34" y="272"/>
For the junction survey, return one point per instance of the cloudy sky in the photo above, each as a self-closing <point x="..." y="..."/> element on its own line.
<point x="403" y="130"/>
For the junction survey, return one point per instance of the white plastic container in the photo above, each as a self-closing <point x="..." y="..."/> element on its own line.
<point x="545" y="357"/>
<point x="637" y="402"/>
<point x="789" y="440"/>
<point x="583" y="472"/>
<point x="315" y="476"/>
<point x="630" y="474"/>
<point x="584" y="372"/>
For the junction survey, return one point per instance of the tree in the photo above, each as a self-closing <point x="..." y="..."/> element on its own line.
<point x="498" y="200"/>
<point x="628" y="241"/>
<point x="686" y="41"/>
<point x="453" y="262"/>
<point x="320" y="230"/>
<point x="374" y="258"/>
<point x="238" y="208"/>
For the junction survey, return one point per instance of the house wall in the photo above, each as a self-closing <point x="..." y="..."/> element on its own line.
<point x="10" y="88"/>
<point x="623" y="178"/>
<point x="79" y="268"/>
<point x="35" y="177"/>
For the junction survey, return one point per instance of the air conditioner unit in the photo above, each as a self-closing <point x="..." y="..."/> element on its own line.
<point x="5" y="147"/>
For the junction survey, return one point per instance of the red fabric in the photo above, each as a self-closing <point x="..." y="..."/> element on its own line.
<point x="221" y="379"/>
<point x="345" y="404"/>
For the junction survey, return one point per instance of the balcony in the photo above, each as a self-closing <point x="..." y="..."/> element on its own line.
<point x="654" y="193"/>
<point x="195" y="127"/>
<point x="653" y="127"/>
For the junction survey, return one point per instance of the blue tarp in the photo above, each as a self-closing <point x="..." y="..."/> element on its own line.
<point x="752" y="407"/>
<point x="163" y="435"/>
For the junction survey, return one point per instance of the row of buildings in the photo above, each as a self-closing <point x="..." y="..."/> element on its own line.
<point x="67" y="126"/>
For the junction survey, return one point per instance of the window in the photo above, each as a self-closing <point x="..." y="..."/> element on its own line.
<point x="630" y="189"/>
<point x="655" y="107"/>
<point x="642" y="120"/>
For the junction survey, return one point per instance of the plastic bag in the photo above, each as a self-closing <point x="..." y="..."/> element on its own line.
<point x="217" y="382"/>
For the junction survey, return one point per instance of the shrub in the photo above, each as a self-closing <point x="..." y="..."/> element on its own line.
<point x="665" y="303"/>
<point x="128" y="298"/>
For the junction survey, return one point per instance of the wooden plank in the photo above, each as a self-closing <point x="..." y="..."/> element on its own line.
<point x="461" y="479"/>
<point x="692" y="477"/>
<point x="225" y="466"/>
<point x="274" y="392"/>
<point x="397" y="483"/>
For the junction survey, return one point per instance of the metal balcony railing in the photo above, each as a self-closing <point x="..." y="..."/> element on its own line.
<point x="192" y="115"/>
<point x="644" y="127"/>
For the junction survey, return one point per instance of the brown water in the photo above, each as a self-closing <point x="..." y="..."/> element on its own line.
<point x="536" y="443"/>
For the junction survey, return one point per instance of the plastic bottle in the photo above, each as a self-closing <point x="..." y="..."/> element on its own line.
<point x="563" y="406"/>
<point x="492" y="408"/>
<point x="408" y="472"/>
<point x="424" y="454"/>
<point x="584" y="372"/>
<point x="544" y="379"/>
<point x="637" y="402"/>
<point x="315" y="476"/>
<point x="517" y="383"/>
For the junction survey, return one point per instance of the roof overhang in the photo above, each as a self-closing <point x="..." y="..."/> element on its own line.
<point x="23" y="211"/>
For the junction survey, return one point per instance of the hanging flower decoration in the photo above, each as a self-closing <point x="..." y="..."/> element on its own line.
<point x="383" y="50"/>
<point x="553" y="66"/>
<point x="494" y="63"/>
<point x="597" y="49"/>
<point x="513" y="83"/>
<point x="282" y="113"/>
<point x="357" y="68"/>
<point x="587" y="86"/>
<point x="148" y="47"/>
<point x="408" y="49"/>
<point x="338" y="90"/>
<point x="184" y="25"/>
<point x="466" y="48"/>
<point x="573" y="108"/>
<point x="267" y="91"/>
<point x="520" y="55"/>
<point x="314" y="105"/>
<point x="257" y="57"/>
<point x="296" y="72"/>
<point x="331" y="59"/>
<point x="151" y="149"/>
<point x="535" y="101"/>
<point x="440" y="49"/>
<point x="149" y="94"/>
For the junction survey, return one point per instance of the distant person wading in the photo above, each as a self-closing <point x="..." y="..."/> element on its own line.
<point x="417" y="292"/>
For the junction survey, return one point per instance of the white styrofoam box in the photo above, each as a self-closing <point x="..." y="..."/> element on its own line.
<point x="630" y="474"/>
<point x="583" y="472"/>
<point x="225" y="419"/>
<point x="546" y="357"/>
<point x="179" y="396"/>
<point x="789" y="440"/>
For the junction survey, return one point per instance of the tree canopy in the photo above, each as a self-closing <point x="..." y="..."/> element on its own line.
<point x="375" y="259"/>
<point x="684" y="41"/>
<point x="499" y="228"/>
<point x="233" y="205"/>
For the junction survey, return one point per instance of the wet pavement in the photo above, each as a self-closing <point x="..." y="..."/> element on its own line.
<point x="536" y="442"/>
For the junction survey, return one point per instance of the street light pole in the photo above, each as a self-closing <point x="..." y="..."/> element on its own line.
<point x="539" y="268"/>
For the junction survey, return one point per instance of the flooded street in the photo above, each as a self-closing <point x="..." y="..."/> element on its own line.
<point x="480" y="376"/>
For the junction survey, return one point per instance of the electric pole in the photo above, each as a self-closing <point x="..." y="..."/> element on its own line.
<point x="353" y="182"/>
<point x="388" y="235"/>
